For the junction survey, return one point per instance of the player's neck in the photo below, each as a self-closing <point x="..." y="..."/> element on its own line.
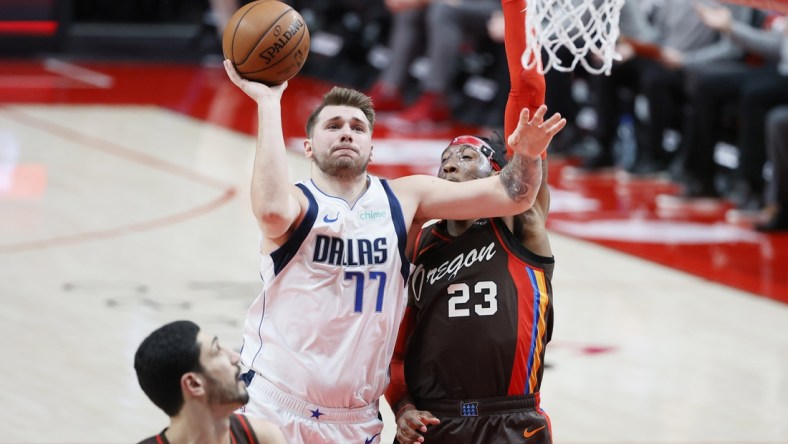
<point x="348" y="189"/>
<point x="457" y="227"/>
<point x="199" y="426"/>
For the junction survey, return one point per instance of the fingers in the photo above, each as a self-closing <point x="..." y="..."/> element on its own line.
<point x="539" y="115"/>
<point x="402" y="439"/>
<point x="551" y="121"/>
<point x="554" y="124"/>
<point x="279" y="88"/>
<point x="412" y="423"/>
<point x="525" y="115"/>
<point x="426" y="417"/>
<point x="532" y="132"/>
<point x="231" y="72"/>
<point x="415" y="422"/>
<point x="408" y="435"/>
<point x="430" y="420"/>
<point x="253" y="89"/>
<point x="514" y="138"/>
<point x="558" y="126"/>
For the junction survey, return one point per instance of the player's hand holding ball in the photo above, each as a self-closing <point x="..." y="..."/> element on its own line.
<point x="265" y="41"/>
<point x="256" y="90"/>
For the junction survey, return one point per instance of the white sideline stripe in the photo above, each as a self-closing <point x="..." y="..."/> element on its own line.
<point x="657" y="232"/>
<point x="78" y="73"/>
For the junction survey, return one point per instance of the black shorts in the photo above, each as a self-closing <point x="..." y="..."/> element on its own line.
<point x="504" y="420"/>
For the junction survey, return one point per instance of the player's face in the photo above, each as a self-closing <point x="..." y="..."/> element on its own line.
<point x="341" y="145"/>
<point x="222" y="372"/>
<point x="460" y="163"/>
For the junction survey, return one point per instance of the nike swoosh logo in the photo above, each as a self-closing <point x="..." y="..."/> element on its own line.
<point x="370" y="440"/>
<point x="328" y="221"/>
<point x="528" y="434"/>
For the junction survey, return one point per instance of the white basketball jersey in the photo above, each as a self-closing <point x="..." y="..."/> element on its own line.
<point x="324" y="327"/>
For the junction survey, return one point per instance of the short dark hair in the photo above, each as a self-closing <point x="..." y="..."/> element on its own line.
<point x="162" y="359"/>
<point x="339" y="96"/>
<point x="499" y="156"/>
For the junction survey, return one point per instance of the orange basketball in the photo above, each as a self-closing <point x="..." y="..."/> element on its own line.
<point x="267" y="41"/>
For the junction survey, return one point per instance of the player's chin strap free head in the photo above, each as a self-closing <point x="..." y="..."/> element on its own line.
<point x="493" y="160"/>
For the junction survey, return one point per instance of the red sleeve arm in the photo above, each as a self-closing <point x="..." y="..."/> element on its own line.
<point x="397" y="390"/>
<point x="527" y="86"/>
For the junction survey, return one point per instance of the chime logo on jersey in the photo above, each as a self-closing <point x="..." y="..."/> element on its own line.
<point x="337" y="251"/>
<point x="372" y="215"/>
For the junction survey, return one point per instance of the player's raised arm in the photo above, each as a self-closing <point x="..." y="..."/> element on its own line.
<point x="513" y="191"/>
<point x="275" y="202"/>
<point x="528" y="142"/>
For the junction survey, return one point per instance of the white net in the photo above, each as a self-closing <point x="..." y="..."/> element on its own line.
<point x="587" y="29"/>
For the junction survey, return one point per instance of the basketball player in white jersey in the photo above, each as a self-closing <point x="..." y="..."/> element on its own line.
<point x="320" y="336"/>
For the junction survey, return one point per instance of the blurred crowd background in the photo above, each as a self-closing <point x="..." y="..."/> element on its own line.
<point x="700" y="96"/>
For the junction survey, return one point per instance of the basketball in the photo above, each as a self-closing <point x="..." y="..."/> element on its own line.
<point x="267" y="41"/>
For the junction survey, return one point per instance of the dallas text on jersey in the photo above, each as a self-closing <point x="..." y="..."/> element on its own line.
<point x="337" y="251"/>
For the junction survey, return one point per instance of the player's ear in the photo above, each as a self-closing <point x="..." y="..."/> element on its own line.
<point x="193" y="384"/>
<point x="308" y="148"/>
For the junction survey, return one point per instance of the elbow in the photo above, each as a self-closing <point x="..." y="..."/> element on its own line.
<point x="527" y="200"/>
<point x="515" y="204"/>
<point x="269" y="217"/>
<point x="273" y="223"/>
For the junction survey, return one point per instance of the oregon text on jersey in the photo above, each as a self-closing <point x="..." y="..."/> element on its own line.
<point x="450" y="267"/>
<point x="337" y="251"/>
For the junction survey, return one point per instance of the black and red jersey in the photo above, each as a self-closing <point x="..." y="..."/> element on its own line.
<point x="484" y="314"/>
<point x="240" y="433"/>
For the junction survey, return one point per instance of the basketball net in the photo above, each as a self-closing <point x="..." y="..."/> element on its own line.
<point x="587" y="29"/>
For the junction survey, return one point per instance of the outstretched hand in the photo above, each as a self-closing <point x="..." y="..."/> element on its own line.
<point x="411" y="422"/>
<point x="532" y="136"/>
<point x="255" y="90"/>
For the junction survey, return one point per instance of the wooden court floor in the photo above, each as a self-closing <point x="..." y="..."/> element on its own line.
<point x="124" y="205"/>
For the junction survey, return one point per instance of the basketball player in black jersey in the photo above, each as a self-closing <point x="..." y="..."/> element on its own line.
<point x="196" y="382"/>
<point x="478" y="321"/>
<point x="469" y="358"/>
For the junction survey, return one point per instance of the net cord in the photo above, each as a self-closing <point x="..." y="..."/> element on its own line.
<point x="588" y="29"/>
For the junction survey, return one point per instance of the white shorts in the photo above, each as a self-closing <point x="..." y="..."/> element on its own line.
<point x="305" y="422"/>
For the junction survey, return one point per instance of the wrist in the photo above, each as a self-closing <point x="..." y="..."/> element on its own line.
<point x="268" y="101"/>
<point x="404" y="408"/>
<point x="528" y="157"/>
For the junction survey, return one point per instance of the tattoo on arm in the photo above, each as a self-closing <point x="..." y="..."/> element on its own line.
<point x="520" y="176"/>
<point x="544" y="170"/>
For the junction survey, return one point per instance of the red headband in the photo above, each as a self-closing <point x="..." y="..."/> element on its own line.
<point x="482" y="146"/>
